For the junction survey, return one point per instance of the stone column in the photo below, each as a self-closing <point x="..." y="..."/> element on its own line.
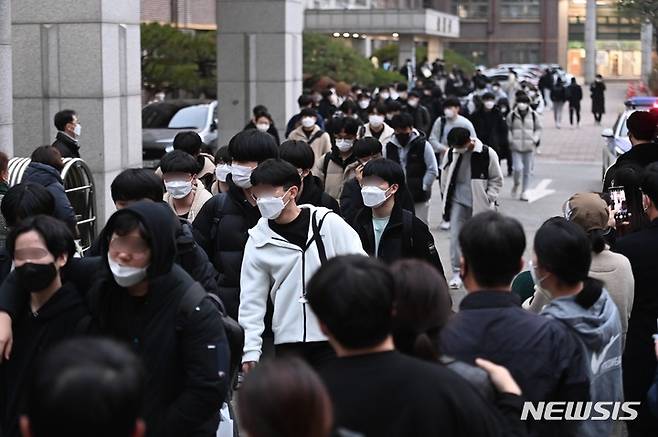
<point x="363" y="46"/>
<point x="434" y="48"/>
<point x="259" y="61"/>
<point x="6" y="141"/>
<point x="407" y="49"/>
<point x="590" y="41"/>
<point x="82" y="55"/>
<point x="647" y="49"/>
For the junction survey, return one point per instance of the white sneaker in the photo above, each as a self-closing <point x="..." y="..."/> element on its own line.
<point x="524" y="196"/>
<point x="455" y="282"/>
<point x="444" y="226"/>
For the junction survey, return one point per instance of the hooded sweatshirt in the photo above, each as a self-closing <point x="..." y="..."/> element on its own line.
<point x="594" y="318"/>
<point x="186" y="359"/>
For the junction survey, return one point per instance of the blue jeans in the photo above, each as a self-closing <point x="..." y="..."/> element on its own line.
<point x="522" y="166"/>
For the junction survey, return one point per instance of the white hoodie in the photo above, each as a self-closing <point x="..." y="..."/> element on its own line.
<point x="271" y="265"/>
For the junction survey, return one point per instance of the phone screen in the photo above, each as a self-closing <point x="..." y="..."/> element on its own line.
<point x="619" y="205"/>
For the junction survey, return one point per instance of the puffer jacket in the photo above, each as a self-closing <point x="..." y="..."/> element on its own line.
<point x="524" y="131"/>
<point x="332" y="171"/>
<point x="321" y="144"/>
<point x="50" y="178"/>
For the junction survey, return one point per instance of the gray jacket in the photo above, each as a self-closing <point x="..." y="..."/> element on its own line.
<point x="593" y="317"/>
<point x="524" y="132"/>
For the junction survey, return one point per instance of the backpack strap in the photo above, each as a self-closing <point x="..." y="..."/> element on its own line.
<point x="534" y="121"/>
<point x="325" y="164"/>
<point x="315" y="136"/>
<point x="218" y="215"/>
<point x="407" y="232"/>
<point x="443" y="127"/>
<point x="322" y="253"/>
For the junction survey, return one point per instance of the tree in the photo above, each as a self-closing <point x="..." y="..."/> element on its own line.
<point x="646" y="9"/>
<point x="175" y="60"/>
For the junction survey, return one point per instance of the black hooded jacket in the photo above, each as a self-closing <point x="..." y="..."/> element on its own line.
<point x="66" y="145"/>
<point x="641" y="155"/>
<point x="313" y="194"/>
<point x="186" y="359"/>
<point x="63" y="316"/>
<point x="49" y="177"/>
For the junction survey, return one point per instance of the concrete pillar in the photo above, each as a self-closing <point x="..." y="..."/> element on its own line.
<point x="646" y="38"/>
<point x="6" y="141"/>
<point x="259" y="61"/>
<point x="407" y="49"/>
<point x="563" y="34"/>
<point x="434" y="48"/>
<point x="82" y="55"/>
<point x="590" y="41"/>
<point x="363" y="46"/>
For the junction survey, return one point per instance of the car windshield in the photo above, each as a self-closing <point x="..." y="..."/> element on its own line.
<point x="190" y="117"/>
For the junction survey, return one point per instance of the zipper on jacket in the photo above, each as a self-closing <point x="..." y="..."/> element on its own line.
<point x="304" y="292"/>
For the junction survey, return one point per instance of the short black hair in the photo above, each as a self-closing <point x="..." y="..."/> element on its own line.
<point x="522" y="98"/>
<point x="26" y="200"/>
<point x="564" y="249"/>
<point x="642" y="125"/>
<point x="304" y="100"/>
<point x="60" y="401"/>
<point x="402" y="121"/>
<point x="62" y="118"/>
<point x="458" y="136"/>
<point x="253" y="145"/>
<point x="414" y="93"/>
<point x="136" y="184"/>
<point x="223" y="155"/>
<point x="649" y="182"/>
<point x="276" y="172"/>
<point x="259" y="109"/>
<point x="308" y="112"/>
<point x="55" y="233"/>
<point x="48" y="155"/>
<point x="365" y="147"/>
<point x="349" y="106"/>
<point x="386" y="169"/>
<point x="349" y="125"/>
<point x="451" y="102"/>
<point x="393" y="106"/>
<point x="263" y="114"/>
<point x="125" y="222"/>
<point x="492" y="246"/>
<point x="488" y="96"/>
<point x="298" y="153"/>
<point x="402" y="86"/>
<point x="353" y="296"/>
<point x="188" y="141"/>
<point x="178" y="161"/>
<point x="378" y="107"/>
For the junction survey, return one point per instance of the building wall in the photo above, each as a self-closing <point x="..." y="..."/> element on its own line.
<point x="187" y="14"/>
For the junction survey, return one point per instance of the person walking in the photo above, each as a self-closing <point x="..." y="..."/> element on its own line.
<point x="525" y="134"/>
<point x="574" y="96"/>
<point x="558" y="97"/>
<point x="597" y="93"/>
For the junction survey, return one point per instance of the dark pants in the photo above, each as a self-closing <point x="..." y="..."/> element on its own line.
<point x="316" y="353"/>
<point x="574" y="108"/>
<point x="598" y="116"/>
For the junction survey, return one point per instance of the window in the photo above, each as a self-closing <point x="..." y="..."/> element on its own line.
<point x="520" y="53"/>
<point x="475" y="52"/>
<point x="471" y="8"/>
<point x="519" y="8"/>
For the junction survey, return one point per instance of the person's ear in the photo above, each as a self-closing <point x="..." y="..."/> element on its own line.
<point x="393" y="189"/>
<point x="24" y="425"/>
<point x="294" y="190"/>
<point x="140" y="428"/>
<point x="61" y="260"/>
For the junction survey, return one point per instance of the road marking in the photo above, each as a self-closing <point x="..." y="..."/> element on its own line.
<point x="540" y="191"/>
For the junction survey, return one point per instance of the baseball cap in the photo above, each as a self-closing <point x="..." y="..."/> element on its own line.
<point x="588" y="211"/>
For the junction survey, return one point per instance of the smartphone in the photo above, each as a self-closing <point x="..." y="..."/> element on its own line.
<point x="619" y="205"/>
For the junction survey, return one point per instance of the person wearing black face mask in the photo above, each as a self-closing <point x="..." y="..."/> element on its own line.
<point x="51" y="311"/>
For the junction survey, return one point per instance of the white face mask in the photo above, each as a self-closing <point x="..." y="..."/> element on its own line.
<point x="385" y="95"/>
<point x="344" y="145"/>
<point x="496" y="88"/>
<point x="271" y="207"/>
<point x="489" y="104"/>
<point x="394" y="95"/>
<point x="373" y="196"/>
<point x="363" y="104"/>
<point x="537" y="280"/>
<point x="308" y="122"/>
<point x="263" y="127"/>
<point x="522" y="106"/>
<point x="449" y="113"/>
<point x="126" y="276"/>
<point x="221" y="171"/>
<point x="77" y="130"/>
<point x="376" y="120"/>
<point x="241" y="175"/>
<point x="178" y="189"/>
<point x="413" y="102"/>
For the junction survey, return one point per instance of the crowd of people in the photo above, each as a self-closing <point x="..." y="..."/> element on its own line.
<point x="298" y="282"/>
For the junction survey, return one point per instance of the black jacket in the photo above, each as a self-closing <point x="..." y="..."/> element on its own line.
<point x="312" y="194"/>
<point x="50" y="178"/>
<point x="545" y="359"/>
<point x="272" y="131"/>
<point x="351" y="200"/>
<point x="639" y="359"/>
<point x="640" y="155"/>
<point x="422" y="118"/>
<point x="491" y="128"/>
<point x="559" y="93"/>
<point x="597" y="93"/>
<point x="63" y="316"/>
<point x="221" y="230"/>
<point x="405" y="236"/>
<point x="574" y="94"/>
<point x="415" y="166"/>
<point x="186" y="358"/>
<point x="66" y="145"/>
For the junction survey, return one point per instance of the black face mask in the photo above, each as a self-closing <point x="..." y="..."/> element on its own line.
<point x="35" y="277"/>
<point x="403" y="139"/>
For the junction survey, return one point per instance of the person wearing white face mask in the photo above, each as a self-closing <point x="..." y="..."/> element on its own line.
<point x="444" y="124"/>
<point x="524" y="134"/>
<point x="309" y="131"/>
<point x="262" y="120"/>
<point x="284" y="250"/>
<point x="222" y="170"/>
<point x="491" y="126"/>
<point x="421" y="115"/>
<point x="68" y="133"/>
<point x="184" y="193"/>
<point x="377" y="126"/>
<point x="388" y="231"/>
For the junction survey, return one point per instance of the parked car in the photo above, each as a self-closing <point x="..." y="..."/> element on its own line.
<point x="616" y="140"/>
<point x="161" y="121"/>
